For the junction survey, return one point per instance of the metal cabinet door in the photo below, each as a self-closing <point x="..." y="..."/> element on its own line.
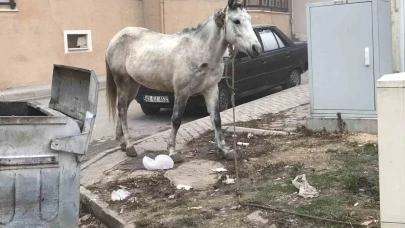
<point x="341" y="79"/>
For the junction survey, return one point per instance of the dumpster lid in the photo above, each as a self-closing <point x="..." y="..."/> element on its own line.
<point x="74" y="91"/>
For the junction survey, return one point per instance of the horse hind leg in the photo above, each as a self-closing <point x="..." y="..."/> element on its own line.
<point x="125" y="96"/>
<point x="212" y="102"/>
<point x="180" y="102"/>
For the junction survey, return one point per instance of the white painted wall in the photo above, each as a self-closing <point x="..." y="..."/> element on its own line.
<point x="391" y="149"/>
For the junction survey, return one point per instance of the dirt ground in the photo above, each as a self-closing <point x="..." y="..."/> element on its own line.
<point x="343" y="168"/>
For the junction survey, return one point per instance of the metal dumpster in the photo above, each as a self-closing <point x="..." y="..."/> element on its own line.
<point x="41" y="149"/>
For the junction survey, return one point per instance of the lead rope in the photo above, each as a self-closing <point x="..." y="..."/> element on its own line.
<point x="231" y="58"/>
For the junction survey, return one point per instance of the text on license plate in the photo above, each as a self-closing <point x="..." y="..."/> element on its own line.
<point x="156" y="99"/>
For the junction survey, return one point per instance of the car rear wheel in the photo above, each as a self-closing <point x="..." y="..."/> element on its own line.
<point x="149" y="110"/>
<point x="224" y="94"/>
<point x="294" y="79"/>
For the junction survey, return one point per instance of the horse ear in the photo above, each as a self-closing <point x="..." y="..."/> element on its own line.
<point x="219" y="18"/>
<point x="231" y="4"/>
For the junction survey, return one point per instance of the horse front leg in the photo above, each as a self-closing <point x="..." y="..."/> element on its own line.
<point x="212" y="102"/>
<point x="180" y="102"/>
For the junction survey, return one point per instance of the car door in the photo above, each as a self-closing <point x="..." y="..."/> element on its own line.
<point x="275" y="57"/>
<point x="246" y="70"/>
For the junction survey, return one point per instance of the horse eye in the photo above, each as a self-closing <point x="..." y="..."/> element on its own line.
<point x="236" y="22"/>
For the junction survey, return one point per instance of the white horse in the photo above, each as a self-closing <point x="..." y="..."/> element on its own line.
<point x="186" y="63"/>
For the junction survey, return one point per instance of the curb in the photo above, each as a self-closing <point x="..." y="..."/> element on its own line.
<point x="35" y="92"/>
<point x="255" y="131"/>
<point x="99" y="210"/>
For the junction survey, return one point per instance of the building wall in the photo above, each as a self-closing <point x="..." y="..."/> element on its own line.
<point x="180" y="14"/>
<point x="299" y="18"/>
<point x="31" y="40"/>
<point x="281" y="20"/>
<point x="152" y="15"/>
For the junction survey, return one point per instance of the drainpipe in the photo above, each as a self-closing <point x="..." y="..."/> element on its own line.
<point x="292" y="19"/>
<point x="162" y="16"/>
<point x="402" y="32"/>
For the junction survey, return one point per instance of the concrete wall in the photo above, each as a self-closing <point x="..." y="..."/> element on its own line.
<point x="299" y="18"/>
<point x="281" y="20"/>
<point x="180" y="14"/>
<point x="152" y="15"/>
<point x="31" y="39"/>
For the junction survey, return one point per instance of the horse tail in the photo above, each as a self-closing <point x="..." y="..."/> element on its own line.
<point x="111" y="92"/>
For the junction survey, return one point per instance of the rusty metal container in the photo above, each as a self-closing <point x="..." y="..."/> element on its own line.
<point x="41" y="149"/>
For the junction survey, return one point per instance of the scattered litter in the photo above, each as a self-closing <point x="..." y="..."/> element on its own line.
<point x="371" y="222"/>
<point x="212" y="142"/>
<point x="220" y="170"/>
<point x="305" y="190"/>
<point x="159" y="163"/>
<point x="250" y="135"/>
<point x="171" y="196"/>
<point x="243" y="144"/>
<point x="278" y="179"/>
<point x="85" y="217"/>
<point x="119" y="195"/>
<point x="182" y="186"/>
<point x="356" y="204"/>
<point x="122" y="210"/>
<point x="235" y="207"/>
<point x="361" y="190"/>
<point x="233" y="136"/>
<point x="228" y="180"/>
<point x="133" y="199"/>
<point x="122" y="187"/>
<point x="195" y="208"/>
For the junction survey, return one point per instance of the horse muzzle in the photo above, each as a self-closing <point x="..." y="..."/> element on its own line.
<point x="255" y="51"/>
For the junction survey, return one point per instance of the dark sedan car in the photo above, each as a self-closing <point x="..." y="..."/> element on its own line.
<point x="281" y="64"/>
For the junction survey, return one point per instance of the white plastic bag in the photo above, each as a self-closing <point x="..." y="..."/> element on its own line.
<point x="305" y="190"/>
<point x="159" y="163"/>
<point x="119" y="195"/>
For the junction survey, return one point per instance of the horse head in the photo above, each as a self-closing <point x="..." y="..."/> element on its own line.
<point x="238" y="28"/>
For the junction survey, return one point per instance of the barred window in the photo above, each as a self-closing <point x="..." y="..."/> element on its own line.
<point x="10" y="3"/>
<point x="276" y="5"/>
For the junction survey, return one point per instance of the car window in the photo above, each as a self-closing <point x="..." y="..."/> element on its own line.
<point x="280" y="42"/>
<point x="268" y="39"/>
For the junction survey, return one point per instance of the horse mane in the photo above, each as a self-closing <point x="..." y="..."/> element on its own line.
<point x="199" y="28"/>
<point x="196" y="30"/>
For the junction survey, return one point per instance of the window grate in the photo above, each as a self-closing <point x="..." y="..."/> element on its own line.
<point x="10" y="3"/>
<point x="274" y="5"/>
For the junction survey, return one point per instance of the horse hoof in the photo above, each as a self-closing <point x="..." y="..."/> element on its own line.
<point x="176" y="158"/>
<point x="230" y="155"/>
<point x="131" y="152"/>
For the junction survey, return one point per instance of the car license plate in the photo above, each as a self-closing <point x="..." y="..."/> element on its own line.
<point x="156" y="99"/>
